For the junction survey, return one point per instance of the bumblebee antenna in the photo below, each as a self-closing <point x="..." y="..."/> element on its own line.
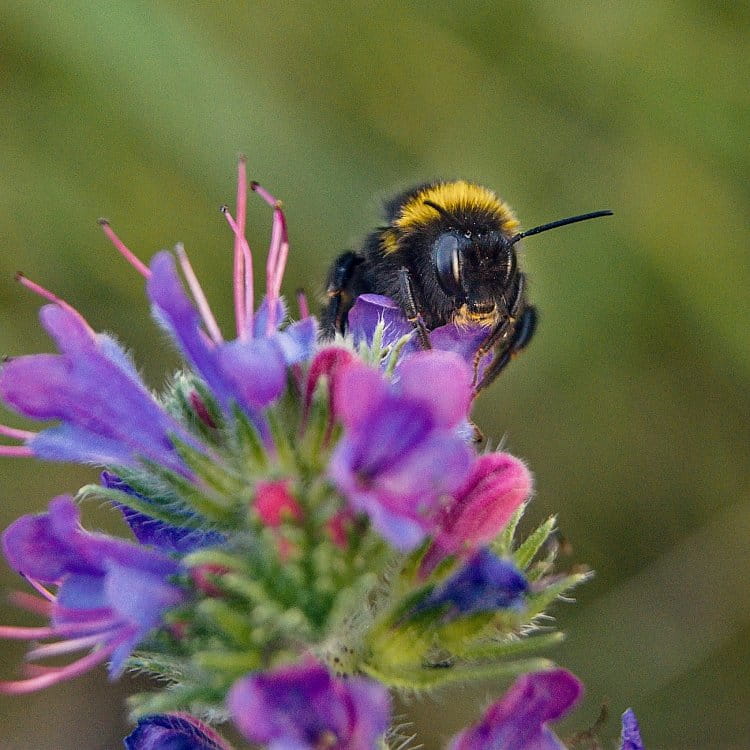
<point x="559" y="223"/>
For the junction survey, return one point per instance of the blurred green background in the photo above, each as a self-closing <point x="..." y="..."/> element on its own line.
<point x="631" y="405"/>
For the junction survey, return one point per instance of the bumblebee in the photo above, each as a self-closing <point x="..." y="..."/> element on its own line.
<point x="446" y="255"/>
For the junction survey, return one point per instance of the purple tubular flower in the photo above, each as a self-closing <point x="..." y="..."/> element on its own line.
<point x="630" y="737"/>
<point x="173" y="732"/>
<point x="518" y="720"/>
<point x="485" y="583"/>
<point x="249" y="371"/>
<point x="302" y="707"/>
<point x="111" y="593"/>
<point x="370" y="309"/>
<point x="148" y="530"/>
<point x="108" y="415"/>
<point x="400" y="454"/>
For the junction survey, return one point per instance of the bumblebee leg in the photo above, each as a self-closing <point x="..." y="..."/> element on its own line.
<point x="498" y="339"/>
<point x="521" y="338"/>
<point x="339" y="294"/>
<point x="413" y="315"/>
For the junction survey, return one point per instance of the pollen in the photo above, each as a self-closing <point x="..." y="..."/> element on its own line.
<point x="459" y="198"/>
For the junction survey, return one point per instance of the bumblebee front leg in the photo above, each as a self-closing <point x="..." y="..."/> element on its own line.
<point x="413" y="315"/>
<point x="523" y="333"/>
<point x="339" y="293"/>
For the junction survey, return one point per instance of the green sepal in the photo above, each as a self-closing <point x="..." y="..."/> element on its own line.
<point x="227" y="666"/>
<point x="492" y="650"/>
<point x="212" y="507"/>
<point x="285" y="456"/>
<point x="151" y="509"/>
<point x="526" y="552"/>
<point x="536" y="603"/>
<point x="251" y="453"/>
<point x="218" y="616"/>
<point x="214" y="473"/>
<point x="395" y="353"/>
<point x="503" y="544"/>
<point x="177" y="402"/>
<point x="162" y="666"/>
<point x="426" y="678"/>
<point x="190" y="697"/>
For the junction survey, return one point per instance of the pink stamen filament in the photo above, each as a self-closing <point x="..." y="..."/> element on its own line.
<point x="304" y="308"/>
<point x="16" y="451"/>
<point x="198" y="295"/>
<point x="129" y="256"/>
<point x="53" y="675"/>
<point x="66" y="647"/>
<point x="43" y="590"/>
<point x="71" y="629"/>
<point x="32" y="286"/>
<point x="277" y="254"/>
<point x="243" y="279"/>
<point x="241" y="247"/>
<point x="12" y="432"/>
<point x="31" y="603"/>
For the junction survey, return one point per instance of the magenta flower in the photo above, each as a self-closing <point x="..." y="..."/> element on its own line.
<point x="174" y="732"/>
<point x="302" y="707"/>
<point x="485" y="583"/>
<point x="498" y="484"/>
<point x="400" y="454"/>
<point x="111" y="593"/>
<point x="518" y="720"/>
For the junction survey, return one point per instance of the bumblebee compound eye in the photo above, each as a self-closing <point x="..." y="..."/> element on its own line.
<point x="447" y="264"/>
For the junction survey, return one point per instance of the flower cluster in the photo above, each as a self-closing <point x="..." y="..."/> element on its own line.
<point x="313" y="529"/>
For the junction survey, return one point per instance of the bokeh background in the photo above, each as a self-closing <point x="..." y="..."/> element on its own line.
<point x="631" y="405"/>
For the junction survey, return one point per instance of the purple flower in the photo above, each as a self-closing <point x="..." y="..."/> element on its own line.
<point x="630" y="737"/>
<point x="150" y="531"/>
<point x="302" y="707"/>
<point x="400" y="455"/>
<point x="107" y="415"/>
<point x="173" y="732"/>
<point x="370" y="309"/>
<point x="518" y="720"/>
<point x="251" y="370"/>
<point x="498" y="484"/>
<point x="484" y="583"/>
<point x="111" y="593"/>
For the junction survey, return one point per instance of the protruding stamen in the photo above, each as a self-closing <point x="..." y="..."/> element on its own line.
<point x="277" y="254"/>
<point x="48" y="595"/>
<point x="48" y="295"/>
<point x="16" y="434"/>
<point x="122" y="248"/>
<point x="198" y="295"/>
<point x="243" y="280"/>
<point x="16" y="451"/>
<point x="64" y="647"/>
<point x="53" y="675"/>
<point x="304" y="308"/>
<point x="31" y="603"/>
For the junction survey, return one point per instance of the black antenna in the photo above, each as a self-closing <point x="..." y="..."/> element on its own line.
<point x="559" y="223"/>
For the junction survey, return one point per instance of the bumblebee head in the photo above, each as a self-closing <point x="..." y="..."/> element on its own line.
<point x="474" y="269"/>
<point x="459" y="241"/>
<point x="456" y="237"/>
